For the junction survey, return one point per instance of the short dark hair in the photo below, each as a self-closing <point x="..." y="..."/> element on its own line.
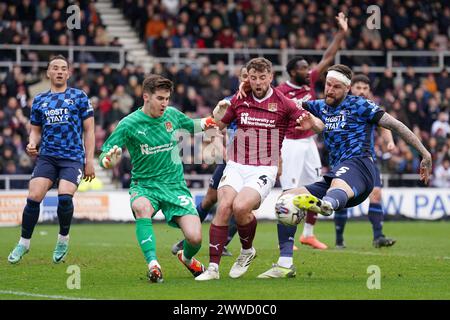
<point x="292" y="63"/>
<point x="58" y="57"/>
<point x="260" y="64"/>
<point x="156" y="82"/>
<point x="360" y="78"/>
<point x="346" y="71"/>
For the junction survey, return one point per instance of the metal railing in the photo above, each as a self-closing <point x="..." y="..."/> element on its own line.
<point x="381" y="60"/>
<point x="410" y="179"/>
<point x="19" y="55"/>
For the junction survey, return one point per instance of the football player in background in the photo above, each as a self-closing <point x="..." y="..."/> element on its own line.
<point x="61" y="118"/>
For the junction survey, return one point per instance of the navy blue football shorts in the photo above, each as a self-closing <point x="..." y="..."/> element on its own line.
<point x="57" y="169"/>
<point x="377" y="183"/>
<point x="359" y="173"/>
<point x="217" y="175"/>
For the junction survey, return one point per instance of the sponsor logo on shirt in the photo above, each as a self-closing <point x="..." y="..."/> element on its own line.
<point x="169" y="126"/>
<point x="272" y="107"/>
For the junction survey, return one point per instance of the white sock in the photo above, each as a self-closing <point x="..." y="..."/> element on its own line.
<point x="63" y="238"/>
<point x="247" y="251"/>
<point x="214" y="265"/>
<point x="153" y="263"/>
<point x="308" y="230"/>
<point x="25" y="242"/>
<point x="285" y="262"/>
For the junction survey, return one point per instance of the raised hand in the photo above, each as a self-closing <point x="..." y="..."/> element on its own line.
<point x="425" y="169"/>
<point x="112" y="157"/>
<point x="342" y="21"/>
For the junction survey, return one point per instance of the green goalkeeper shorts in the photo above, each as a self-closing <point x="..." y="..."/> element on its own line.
<point x="173" y="200"/>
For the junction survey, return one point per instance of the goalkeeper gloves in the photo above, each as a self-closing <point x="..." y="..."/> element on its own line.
<point x="207" y="123"/>
<point x="111" y="157"/>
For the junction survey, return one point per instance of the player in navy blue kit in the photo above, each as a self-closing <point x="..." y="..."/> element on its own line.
<point x="348" y="135"/>
<point x="60" y="119"/>
<point x="361" y="87"/>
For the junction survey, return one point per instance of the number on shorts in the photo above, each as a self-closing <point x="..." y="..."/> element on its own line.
<point x="185" y="200"/>
<point x="342" y="171"/>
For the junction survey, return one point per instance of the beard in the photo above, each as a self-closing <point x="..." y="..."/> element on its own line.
<point x="301" y="80"/>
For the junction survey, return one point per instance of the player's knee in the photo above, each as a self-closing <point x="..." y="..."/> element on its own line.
<point x="195" y="239"/>
<point x="142" y="210"/>
<point x="36" y="195"/>
<point x="240" y="209"/>
<point x="375" y="196"/>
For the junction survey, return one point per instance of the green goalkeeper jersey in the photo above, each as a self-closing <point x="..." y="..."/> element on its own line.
<point x="152" y="144"/>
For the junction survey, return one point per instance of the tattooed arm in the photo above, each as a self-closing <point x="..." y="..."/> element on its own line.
<point x="389" y="122"/>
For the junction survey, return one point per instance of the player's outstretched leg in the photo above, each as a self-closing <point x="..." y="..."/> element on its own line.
<point x="308" y="237"/>
<point x="29" y="220"/>
<point x="312" y="203"/>
<point x="340" y="219"/>
<point x="284" y="268"/>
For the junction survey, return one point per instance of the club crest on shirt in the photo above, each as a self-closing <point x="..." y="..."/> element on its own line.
<point x="169" y="126"/>
<point x="272" y="107"/>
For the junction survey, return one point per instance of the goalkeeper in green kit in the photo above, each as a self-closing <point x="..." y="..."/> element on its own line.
<point x="157" y="181"/>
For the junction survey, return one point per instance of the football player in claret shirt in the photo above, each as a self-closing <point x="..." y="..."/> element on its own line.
<point x="60" y="118"/>
<point x="262" y="119"/>
<point x="348" y="135"/>
<point x="157" y="179"/>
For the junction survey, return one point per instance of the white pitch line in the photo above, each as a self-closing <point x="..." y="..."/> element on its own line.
<point x="37" y="295"/>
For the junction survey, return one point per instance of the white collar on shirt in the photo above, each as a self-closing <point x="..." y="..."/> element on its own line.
<point x="267" y="96"/>
<point x="290" y="84"/>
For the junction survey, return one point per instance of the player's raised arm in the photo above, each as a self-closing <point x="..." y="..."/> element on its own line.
<point x="328" y="56"/>
<point x="389" y="122"/>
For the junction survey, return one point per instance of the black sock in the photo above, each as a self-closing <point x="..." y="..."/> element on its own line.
<point x="65" y="213"/>
<point x="30" y="218"/>
<point x="376" y="217"/>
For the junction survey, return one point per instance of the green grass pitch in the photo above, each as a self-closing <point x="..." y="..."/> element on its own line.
<point x="112" y="266"/>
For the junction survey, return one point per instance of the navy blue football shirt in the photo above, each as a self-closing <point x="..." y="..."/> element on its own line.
<point x="349" y="127"/>
<point x="61" y="116"/>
